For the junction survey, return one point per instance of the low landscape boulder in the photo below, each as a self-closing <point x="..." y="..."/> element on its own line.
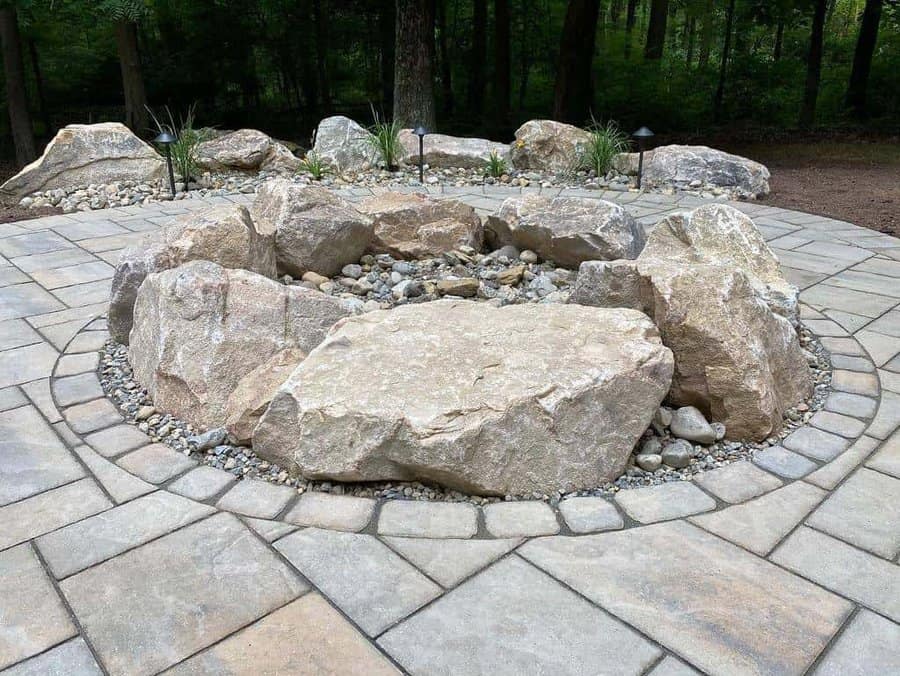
<point x="566" y="230"/>
<point x="412" y="225"/>
<point x="547" y="145"/>
<point x="443" y="151"/>
<point x="200" y="329"/>
<point x="82" y="154"/>
<point x="315" y="229"/>
<point x="344" y="145"/>
<point x="222" y="234"/>
<point x="489" y="400"/>
<point x="683" y="167"/>
<point x="735" y="360"/>
<point x="245" y="150"/>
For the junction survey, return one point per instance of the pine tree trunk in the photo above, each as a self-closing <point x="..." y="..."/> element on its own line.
<point x="573" y="94"/>
<point x="477" y="57"/>
<point x="501" y="62"/>
<point x="706" y="33"/>
<point x="723" y="67"/>
<point x="445" y="70"/>
<point x="16" y="98"/>
<point x="862" y="57"/>
<point x="656" y="30"/>
<point x="814" y="65"/>
<point x="413" y="64"/>
<point x="324" y="81"/>
<point x="779" y="41"/>
<point x="630" y="18"/>
<point x="39" y="84"/>
<point x="132" y="77"/>
<point x="692" y="25"/>
<point x="387" y="22"/>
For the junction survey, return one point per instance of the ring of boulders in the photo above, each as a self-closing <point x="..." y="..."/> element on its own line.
<point x="481" y="397"/>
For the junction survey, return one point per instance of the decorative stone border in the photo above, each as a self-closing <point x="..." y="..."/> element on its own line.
<point x="129" y="464"/>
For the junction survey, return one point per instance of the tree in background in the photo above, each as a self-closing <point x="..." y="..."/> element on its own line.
<point x="814" y="64"/>
<point x="125" y="15"/>
<point x="501" y="63"/>
<point x="656" y="30"/>
<point x="477" y="57"/>
<point x="862" y="58"/>
<point x="414" y="64"/>
<point x="723" y="68"/>
<point x="574" y="92"/>
<point x="16" y="98"/>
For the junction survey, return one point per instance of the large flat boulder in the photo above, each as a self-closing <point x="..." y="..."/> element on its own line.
<point x="723" y="235"/>
<point x="344" y="145"/>
<point x="489" y="400"/>
<point x="735" y="360"/>
<point x="685" y="167"/>
<point x="547" y="145"/>
<point x="443" y="151"/>
<point x="199" y="329"/>
<point x="81" y="154"/>
<point x="412" y="225"/>
<point x="315" y="229"/>
<point x="245" y="150"/>
<point x="222" y="234"/>
<point x="567" y="230"/>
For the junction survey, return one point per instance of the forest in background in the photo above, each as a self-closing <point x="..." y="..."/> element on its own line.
<point x="685" y="68"/>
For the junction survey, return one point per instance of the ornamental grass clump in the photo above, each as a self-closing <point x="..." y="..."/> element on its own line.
<point x="606" y="141"/>
<point x="314" y="165"/>
<point x="385" y="141"/>
<point x="187" y="141"/>
<point x="497" y="165"/>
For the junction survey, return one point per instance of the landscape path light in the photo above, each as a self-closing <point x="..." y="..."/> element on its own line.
<point x="420" y="131"/>
<point x="641" y="135"/>
<point x="165" y="139"/>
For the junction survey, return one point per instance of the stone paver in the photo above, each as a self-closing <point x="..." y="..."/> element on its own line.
<point x="836" y="423"/>
<point x="783" y="462"/>
<point x="202" y="483"/>
<point x="851" y="404"/>
<point x="864" y="511"/>
<point x="156" y="463"/>
<point x="737" y="482"/>
<point x="520" y="519"/>
<point x="410" y="518"/>
<point x="334" y="512"/>
<point x="72" y="658"/>
<point x="361" y="575"/>
<point x="887" y="459"/>
<point x="92" y="416"/>
<point x="307" y="636"/>
<point x="830" y="475"/>
<point x="257" y="498"/>
<point x="526" y="623"/>
<point x="870" y="645"/>
<point x="449" y="561"/>
<point x="217" y="575"/>
<point x="32" y="617"/>
<point x="664" y="502"/>
<point x="815" y="443"/>
<point x="116" y="440"/>
<point x="590" y="515"/>
<point x="121" y="485"/>
<point x="741" y="615"/>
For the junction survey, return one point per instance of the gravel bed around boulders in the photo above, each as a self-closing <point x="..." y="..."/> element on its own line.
<point x="127" y="193"/>
<point x="651" y="463"/>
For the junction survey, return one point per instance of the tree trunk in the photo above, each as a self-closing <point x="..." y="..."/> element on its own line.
<point x="324" y="81"/>
<point x="723" y="68"/>
<point x="630" y="18"/>
<point x="39" y="84"/>
<point x="779" y="41"/>
<point x="501" y="62"/>
<point x="573" y="94"/>
<point x="477" y="57"/>
<point x="16" y="98"/>
<point x="814" y="65"/>
<point x="413" y="65"/>
<point x="656" y="30"/>
<point x="132" y="77"/>
<point x="525" y="53"/>
<point x="862" y="58"/>
<point x="387" y="22"/>
<point x="706" y="33"/>
<point x="691" y="30"/>
<point x="446" y="74"/>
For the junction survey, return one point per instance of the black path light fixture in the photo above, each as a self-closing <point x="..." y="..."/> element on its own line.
<point x="420" y="131"/>
<point x="166" y="139"/>
<point x="641" y="135"/>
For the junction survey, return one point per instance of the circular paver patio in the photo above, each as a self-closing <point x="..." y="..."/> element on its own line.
<point x="121" y="553"/>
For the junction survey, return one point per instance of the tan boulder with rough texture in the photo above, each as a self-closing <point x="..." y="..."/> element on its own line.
<point x="81" y="154"/>
<point x="441" y="150"/>
<point x="489" y="400"/>
<point x="315" y="229"/>
<point x="547" y="145"/>
<point x="681" y="166"/>
<point x="344" y="145"/>
<point x="411" y="225"/>
<point x="222" y="234"/>
<point x="736" y="360"/>
<point x="567" y="230"/>
<point x="245" y="150"/>
<point x="199" y="329"/>
<point x="723" y="235"/>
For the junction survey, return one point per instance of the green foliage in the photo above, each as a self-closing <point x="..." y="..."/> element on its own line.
<point x="496" y="165"/>
<point x="188" y="139"/>
<point x="314" y="165"/>
<point x="385" y="140"/>
<point x="606" y="141"/>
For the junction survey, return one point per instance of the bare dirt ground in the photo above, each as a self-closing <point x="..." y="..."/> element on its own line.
<point x="855" y="182"/>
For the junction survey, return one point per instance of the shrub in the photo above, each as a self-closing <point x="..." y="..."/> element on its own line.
<point x="605" y="143"/>
<point x="314" y="165"/>
<point x="385" y="140"/>
<point x="184" y="149"/>
<point x="496" y="165"/>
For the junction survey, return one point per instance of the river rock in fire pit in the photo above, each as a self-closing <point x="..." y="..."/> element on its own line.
<point x="489" y="400"/>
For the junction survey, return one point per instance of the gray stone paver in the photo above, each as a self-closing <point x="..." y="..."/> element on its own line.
<point x="156" y="463"/>
<point x="256" y="498"/>
<point x="815" y="443"/>
<point x="72" y="658"/>
<point x="520" y="519"/>
<point x="665" y="501"/>
<point x="45" y="273"/>
<point x="409" y="518"/>
<point x="202" y="483"/>
<point x="737" y="482"/>
<point x="335" y="512"/>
